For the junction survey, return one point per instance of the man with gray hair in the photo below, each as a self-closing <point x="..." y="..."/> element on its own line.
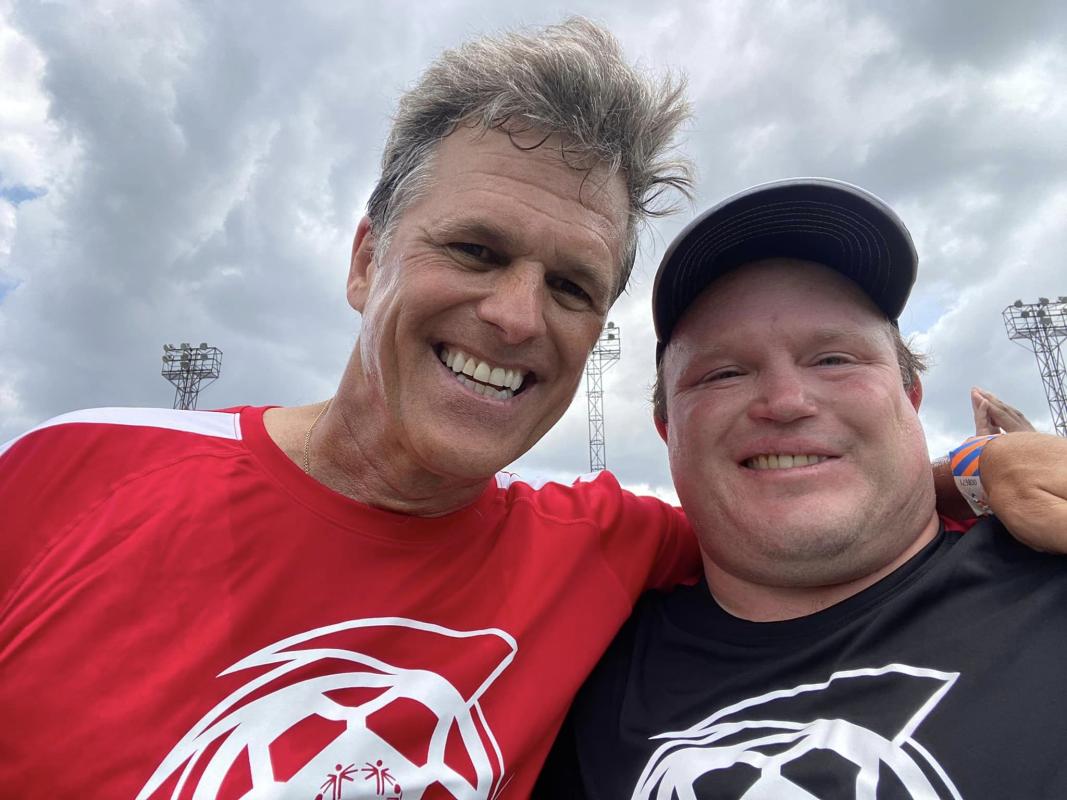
<point x="342" y="599"/>
<point x="346" y="600"/>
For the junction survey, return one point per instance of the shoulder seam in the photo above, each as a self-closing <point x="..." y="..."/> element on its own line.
<point x="218" y="424"/>
<point x="505" y="480"/>
<point x="587" y="521"/>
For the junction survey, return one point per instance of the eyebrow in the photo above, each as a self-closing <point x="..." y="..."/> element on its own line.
<point x="821" y="336"/>
<point x="489" y="234"/>
<point x="501" y="238"/>
<point x="831" y="335"/>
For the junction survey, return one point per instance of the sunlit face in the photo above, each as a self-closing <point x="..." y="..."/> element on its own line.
<point x="794" y="447"/>
<point x="478" y="319"/>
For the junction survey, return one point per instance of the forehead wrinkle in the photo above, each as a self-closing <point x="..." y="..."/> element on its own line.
<point x="519" y="205"/>
<point x="553" y="209"/>
<point x="517" y="235"/>
<point x="704" y="349"/>
<point x="500" y="161"/>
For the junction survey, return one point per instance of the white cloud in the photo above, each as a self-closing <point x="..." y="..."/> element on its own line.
<point x="205" y="164"/>
<point x="25" y="132"/>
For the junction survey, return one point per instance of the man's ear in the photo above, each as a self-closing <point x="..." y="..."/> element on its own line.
<point x="915" y="393"/>
<point x="661" y="427"/>
<point x="361" y="268"/>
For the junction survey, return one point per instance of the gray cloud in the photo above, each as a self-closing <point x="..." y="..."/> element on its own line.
<point x="203" y="168"/>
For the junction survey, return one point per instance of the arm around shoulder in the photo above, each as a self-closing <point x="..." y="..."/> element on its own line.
<point x="1025" y="477"/>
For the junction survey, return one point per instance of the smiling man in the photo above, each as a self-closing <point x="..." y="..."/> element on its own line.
<point x="843" y="643"/>
<point x="478" y="315"/>
<point x="344" y="599"/>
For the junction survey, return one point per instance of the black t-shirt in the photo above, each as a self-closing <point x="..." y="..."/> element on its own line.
<point x="946" y="679"/>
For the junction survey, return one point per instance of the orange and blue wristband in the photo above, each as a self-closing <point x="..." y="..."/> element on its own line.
<point x="966" y="464"/>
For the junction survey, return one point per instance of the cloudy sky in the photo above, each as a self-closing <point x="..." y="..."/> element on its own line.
<point x="184" y="171"/>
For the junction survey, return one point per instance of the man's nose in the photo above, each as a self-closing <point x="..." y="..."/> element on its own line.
<point x="782" y="395"/>
<point x="516" y="303"/>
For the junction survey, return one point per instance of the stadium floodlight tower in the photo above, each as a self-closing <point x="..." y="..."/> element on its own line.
<point x="604" y="355"/>
<point x="190" y="369"/>
<point x="1044" y="325"/>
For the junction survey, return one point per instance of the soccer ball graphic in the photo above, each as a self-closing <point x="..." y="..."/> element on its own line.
<point x="346" y="712"/>
<point x="851" y="736"/>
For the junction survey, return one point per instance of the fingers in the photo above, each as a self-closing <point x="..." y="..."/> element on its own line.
<point x="983" y="424"/>
<point x="997" y="415"/>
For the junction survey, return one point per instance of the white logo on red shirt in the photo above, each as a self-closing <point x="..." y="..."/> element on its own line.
<point x="382" y="708"/>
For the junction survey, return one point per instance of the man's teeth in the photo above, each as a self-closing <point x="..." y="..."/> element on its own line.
<point x="783" y="461"/>
<point x="482" y="377"/>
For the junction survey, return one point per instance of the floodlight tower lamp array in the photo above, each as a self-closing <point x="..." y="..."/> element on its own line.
<point x="190" y="369"/>
<point x="1043" y="325"/>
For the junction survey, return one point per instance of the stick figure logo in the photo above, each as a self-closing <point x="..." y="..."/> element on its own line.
<point x="376" y="708"/>
<point x="852" y="736"/>
<point x="335" y="782"/>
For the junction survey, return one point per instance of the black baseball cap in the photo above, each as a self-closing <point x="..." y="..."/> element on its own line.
<point x="823" y="220"/>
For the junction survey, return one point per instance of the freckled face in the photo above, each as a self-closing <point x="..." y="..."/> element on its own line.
<point x="794" y="448"/>
<point x="507" y="264"/>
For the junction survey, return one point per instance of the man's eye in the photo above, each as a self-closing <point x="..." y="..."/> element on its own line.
<point x="571" y="289"/>
<point x="832" y="360"/>
<point x="722" y="374"/>
<point x="478" y="252"/>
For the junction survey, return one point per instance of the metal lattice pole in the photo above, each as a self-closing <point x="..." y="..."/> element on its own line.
<point x="190" y="369"/>
<point x="1044" y="326"/>
<point x="604" y="355"/>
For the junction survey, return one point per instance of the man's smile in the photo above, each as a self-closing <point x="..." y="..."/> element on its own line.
<point x="482" y="377"/>
<point x="780" y="453"/>
<point x="783" y="461"/>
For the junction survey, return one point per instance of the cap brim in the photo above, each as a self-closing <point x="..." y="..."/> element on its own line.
<point x="815" y="219"/>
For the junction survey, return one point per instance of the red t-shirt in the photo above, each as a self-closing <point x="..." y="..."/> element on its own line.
<point x="184" y="613"/>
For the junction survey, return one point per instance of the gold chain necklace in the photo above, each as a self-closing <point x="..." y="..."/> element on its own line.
<point x="307" y="439"/>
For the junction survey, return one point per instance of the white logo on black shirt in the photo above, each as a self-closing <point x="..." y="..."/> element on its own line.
<point x="810" y="743"/>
